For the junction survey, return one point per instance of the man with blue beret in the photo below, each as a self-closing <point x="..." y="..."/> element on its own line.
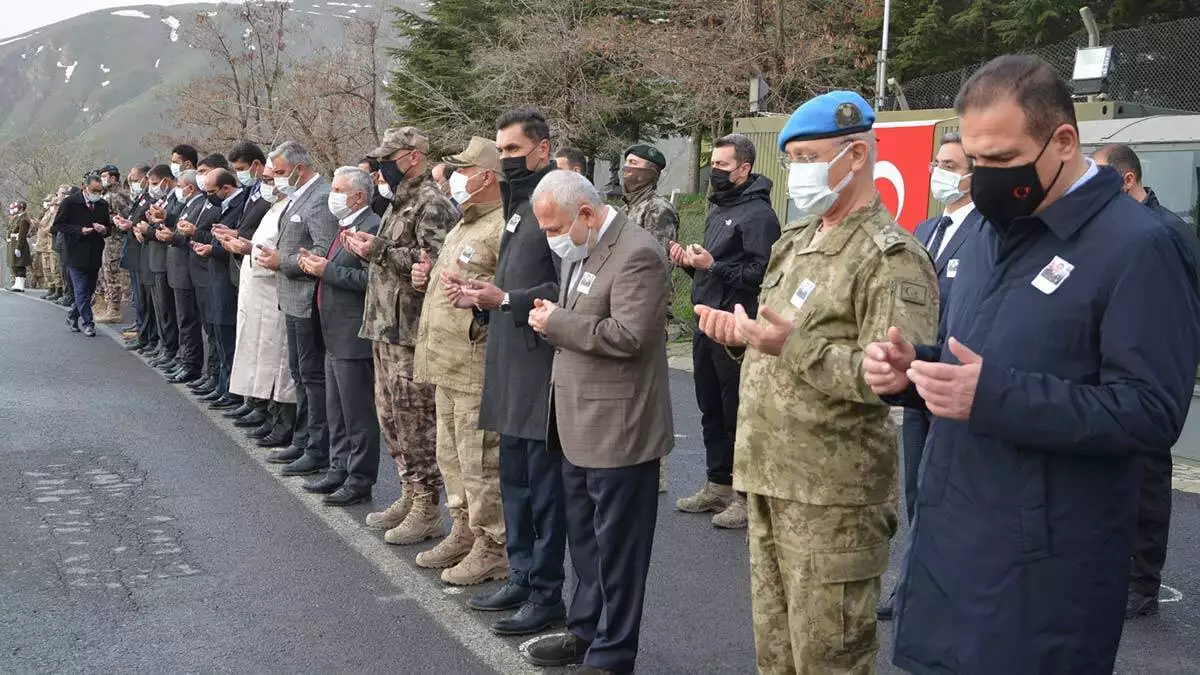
<point x="816" y="451"/>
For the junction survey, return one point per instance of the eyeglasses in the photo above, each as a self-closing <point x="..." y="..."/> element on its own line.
<point x="786" y="161"/>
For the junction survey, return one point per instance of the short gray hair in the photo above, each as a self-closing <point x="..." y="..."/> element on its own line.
<point x="188" y="177"/>
<point x="567" y="190"/>
<point x="293" y="153"/>
<point x="359" y="180"/>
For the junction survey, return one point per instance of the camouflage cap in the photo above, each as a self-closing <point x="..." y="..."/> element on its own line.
<point x="400" y="138"/>
<point x="649" y="153"/>
<point x="480" y="152"/>
<point x="109" y="168"/>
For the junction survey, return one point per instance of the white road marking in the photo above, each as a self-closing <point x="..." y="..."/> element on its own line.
<point x="1168" y="594"/>
<point x="455" y="618"/>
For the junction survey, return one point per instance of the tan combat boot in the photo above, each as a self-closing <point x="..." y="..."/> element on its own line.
<point x="99" y="304"/>
<point x="393" y="515"/>
<point x="111" y="316"/>
<point x="424" y="522"/>
<point x="450" y="550"/>
<point x="486" y="562"/>
<point x="711" y="497"/>
<point x="734" y="515"/>
<point x="662" y="475"/>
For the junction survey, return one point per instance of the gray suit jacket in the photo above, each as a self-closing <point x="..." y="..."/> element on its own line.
<point x="306" y="223"/>
<point x="179" y="255"/>
<point x="610" y="396"/>
<point x="342" y="291"/>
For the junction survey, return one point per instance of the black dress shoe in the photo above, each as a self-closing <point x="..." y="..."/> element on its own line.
<point x="238" y="412"/>
<point x="285" y="456"/>
<point x="170" y="366"/>
<point x="328" y="484"/>
<point x="305" y="466"/>
<point x="202" y="383"/>
<point x="348" y="497"/>
<point x="532" y="619"/>
<point x="157" y="361"/>
<point x="211" y="396"/>
<point x="183" y="377"/>
<point x="1140" y="605"/>
<point x="255" y="418"/>
<point x="135" y="346"/>
<point x="509" y="596"/>
<point x="886" y="610"/>
<point x="225" y="402"/>
<point x="73" y="324"/>
<point x="262" y="431"/>
<point x="556" y="650"/>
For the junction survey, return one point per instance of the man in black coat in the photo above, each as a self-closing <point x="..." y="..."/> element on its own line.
<point x="83" y="220"/>
<point x="190" y="357"/>
<point x="727" y="270"/>
<point x="162" y="297"/>
<point x="1154" y="490"/>
<point x="516" y="388"/>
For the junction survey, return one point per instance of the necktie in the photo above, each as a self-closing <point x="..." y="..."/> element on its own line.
<point x="333" y="249"/>
<point x="935" y="242"/>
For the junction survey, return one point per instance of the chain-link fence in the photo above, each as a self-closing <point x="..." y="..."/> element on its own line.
<point x="1153" y="65"/>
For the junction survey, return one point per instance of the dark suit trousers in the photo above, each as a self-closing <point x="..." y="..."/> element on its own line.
<point x="164" y="310"/>
<point x="306" y="361"/>
<point x="139" y="314"/>
<point x="531" y="492"/>
<point x="226" y="339"/>
<point x="716" y="376"/>
<point x="212" y="363"/>
<point x="68" y="283"/>
<point x="611" y="514"/>
<point x="353" y="425"/>
<point x="191" y="335"/>
<point x="915" y="429"/>
<point x="148" y="330"/>
<point x="1153" y="524"/>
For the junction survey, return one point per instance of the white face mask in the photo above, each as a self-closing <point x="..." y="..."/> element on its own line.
<point x="268" y="193"/>
<point x="175" y="169"/>
<point x="157" y="191"/>
<point x="385" y="191"/>
<point x="179" y="194"/>
<point x="338" y="206"/>
<point x="284" y="185"/>
<point x="245" y="178"/>
<point x="202" y="182"/>
<point x="458" y="188"/>
<point x="565" y="248"/>
<point x="808" y="186"/>
<point x="944" y="185"/>
<point x="136" y="190"/>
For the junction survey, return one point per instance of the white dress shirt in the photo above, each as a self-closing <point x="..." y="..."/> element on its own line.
<point x="957" y="216"/>
<point x="612" y="215"/>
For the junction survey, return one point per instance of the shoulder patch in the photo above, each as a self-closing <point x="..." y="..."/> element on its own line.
<point x="889" y="241"/>
<point x="914" y="293"/>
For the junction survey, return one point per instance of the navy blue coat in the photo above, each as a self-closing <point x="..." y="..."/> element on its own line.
<point x="1025" y="513"/>
<point x="222" y="294"/>
<point x="916" y="422"/>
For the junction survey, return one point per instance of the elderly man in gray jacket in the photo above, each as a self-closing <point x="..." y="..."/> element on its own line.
<point x="306" y="223"/>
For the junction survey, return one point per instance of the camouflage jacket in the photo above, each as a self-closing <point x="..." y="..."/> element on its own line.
<point x="118" y="205"/>
<point x="653" y="213"/>
<point x="451" y="344"/>
<point x="809" y="429"/>
<point x="418" y="218"/>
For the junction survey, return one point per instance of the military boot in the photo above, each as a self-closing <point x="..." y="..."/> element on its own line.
<point x="392" y="516"/>
<point x="662" y="475"/>
<point x="424" y="522"/>
<point x="99" y="305"/>
<point x="111" y="316"/>
<point x="711" y="497"/>
<point x="486" y="562"/>
<point x="450" y="550"/>
<point x="734" y="515"/>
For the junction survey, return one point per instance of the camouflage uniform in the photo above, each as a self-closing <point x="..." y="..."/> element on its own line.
<point x="45" y="250"/>
<point x="114" y="282"/>
<point x="417" y="219"/>
<point x="816" y="451"/>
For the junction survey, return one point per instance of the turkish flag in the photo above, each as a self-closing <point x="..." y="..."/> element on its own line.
<point x="902" y="169"/>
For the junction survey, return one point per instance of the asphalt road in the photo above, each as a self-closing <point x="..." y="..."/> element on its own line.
<point x="141" y="534"/>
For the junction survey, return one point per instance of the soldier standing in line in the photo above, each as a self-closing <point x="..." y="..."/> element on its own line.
<point x="18" y="245"/>
<point x="114" y="281"/>
<point x="816" y="450"/>
<point x="653" y="213"/>
<point x="45" y="245"/>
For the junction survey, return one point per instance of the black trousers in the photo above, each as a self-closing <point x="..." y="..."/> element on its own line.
<point x="353" y="424"/>
<point x="148" y="331"/>
<point x="226" y="337"/>
<point x="68" y="285"/>
<point x="1153" y="524"/>
<point x="716" y="376"/>
<point x="531" y="494"/>
<point x="913" y="434"/>
<point x="611" y="514"/>
<point x="191" y="335"/>
<point x="164" y="310"/>
<point x="212" y="361"/>
<point x="306" y="361"/>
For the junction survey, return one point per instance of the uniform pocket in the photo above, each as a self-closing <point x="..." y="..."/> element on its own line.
<point x="845" y="591"/>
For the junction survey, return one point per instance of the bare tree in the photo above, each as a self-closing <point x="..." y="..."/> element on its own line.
<point x="35" y="164"/>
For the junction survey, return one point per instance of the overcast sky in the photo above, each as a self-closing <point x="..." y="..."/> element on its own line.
<point x="22" y="16"/>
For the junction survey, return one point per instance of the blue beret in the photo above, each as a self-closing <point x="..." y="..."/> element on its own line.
<point x="838" y="113"/>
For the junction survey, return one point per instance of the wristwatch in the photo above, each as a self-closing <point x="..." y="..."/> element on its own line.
<point x="505" y="305"/>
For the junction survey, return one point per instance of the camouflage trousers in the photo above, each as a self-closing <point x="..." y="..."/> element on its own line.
<point x="469" y="459"/>
<point x="814" y="583"/>
<point x="50" y="270"/>
<point x="407" y="417"/>
<point x="114" y="281"/>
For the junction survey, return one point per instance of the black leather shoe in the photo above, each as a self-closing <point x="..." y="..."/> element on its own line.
<point x="885" y="610"/>
<point x="305" y="466"/>
<point x="262" y="431"/>
<point x="556" y="650"/>
<point x="532" y="619"/>
<point x="1140" y="605"/>
<point x="225" y="402"/>
<point x="348" y="497"/>
<point x="183" y="377"/>
<point x="135" y="346"/>
<point x="73" y="324"/>
<point x="238" y="412"/>
<point x="255" y="418"/>
<point x="170" y="366"/>
<point x="285" y="456"/>
<point x="211" y="396"/>
<point x="325" y="485"/>
<point x="509" y="596"/>
<point x="157" y="361"/>
<point x="277" y="439"/>
<point x="204" y="382"/>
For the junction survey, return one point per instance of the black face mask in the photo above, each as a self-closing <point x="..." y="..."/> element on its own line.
<point x="214" y="199"/>
<point x="392" y="174"/>
<point x="1003" y="194"/>
<point x="514" y="168"/>
<point x="719" y="180"/>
